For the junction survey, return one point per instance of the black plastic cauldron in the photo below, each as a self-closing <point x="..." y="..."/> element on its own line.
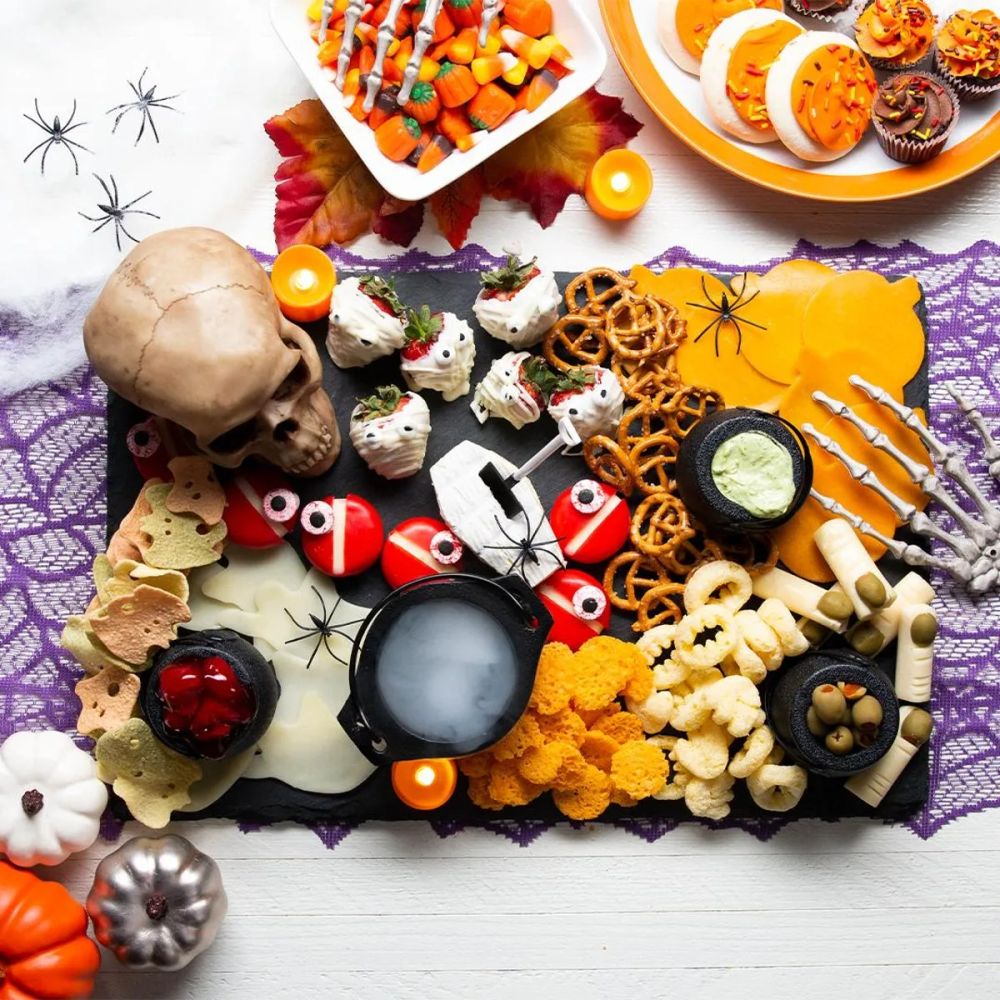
<point x="694" y="468"/>
<point x="399" y="672"/>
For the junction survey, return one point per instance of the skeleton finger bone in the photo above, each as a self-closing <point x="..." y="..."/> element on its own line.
<point x="972" y="414"/>
<point x="490" y="10"/>
<point x="352" y="16"/>
<point x="421" y="39"/>
<point x="386" y="34"/>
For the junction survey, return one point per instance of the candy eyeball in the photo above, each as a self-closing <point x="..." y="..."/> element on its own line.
<point x="143" y="439"/>
<point x="281" y="505"/>
<point x="446" y="548"/>
<point x="587" y="496"/>
<point x="317" y="518"/>
<point x="589" y="603"/>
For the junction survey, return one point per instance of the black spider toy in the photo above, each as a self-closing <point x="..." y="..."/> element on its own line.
<point x="113" y="212"/>
<point x="57" y="136"/>
<point x="726" y="311"/>
<point x="146" y="101"/>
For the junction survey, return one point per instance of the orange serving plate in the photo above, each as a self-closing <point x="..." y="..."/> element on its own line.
<point x="960" y="160"/>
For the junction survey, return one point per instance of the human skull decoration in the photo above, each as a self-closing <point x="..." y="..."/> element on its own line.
<point x="187" y="327"/>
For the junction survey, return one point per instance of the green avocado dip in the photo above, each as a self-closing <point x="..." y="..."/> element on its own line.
<point x="754" y="471"/>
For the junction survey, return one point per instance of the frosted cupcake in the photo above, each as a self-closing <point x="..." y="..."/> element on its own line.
<point x="895" y="34"/>
<point x="968" y="53"/>
<point x="913" y="116"/>
<point x="821" y="10"/>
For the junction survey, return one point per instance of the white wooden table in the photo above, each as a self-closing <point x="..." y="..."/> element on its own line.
<point x="850" y="909"/>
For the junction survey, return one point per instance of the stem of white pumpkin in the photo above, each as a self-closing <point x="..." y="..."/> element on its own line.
<point x="32" y="801"/>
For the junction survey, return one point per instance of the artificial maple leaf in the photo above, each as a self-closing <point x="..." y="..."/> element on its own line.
<point x="398" y="221"/>
<point x="456" y="205"/>
<point x="325" y="193"/>
<point x="551" y="162"/>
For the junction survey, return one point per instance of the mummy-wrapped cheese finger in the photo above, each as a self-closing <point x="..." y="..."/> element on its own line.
<point x="389" y="430"/>
<point x="366" y="321"/>
<point x="873" y="784"/>
<point x="871" y="637"/>
<point x="828" y="608"/>
<point x="514" y="389"/>
<point x="439" y="353"/>
<point x="518" y="302"/>
<point x="592" y="398"/>
<point x="869" y="591"/>
<point x="834" y="600"/>
<point x="918" y="627"/>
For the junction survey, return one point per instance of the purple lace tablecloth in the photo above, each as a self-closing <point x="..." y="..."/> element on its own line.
<point x="52" y="514"/>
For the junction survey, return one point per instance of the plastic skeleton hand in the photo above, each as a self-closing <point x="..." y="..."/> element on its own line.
<point x="356" y="9"/>
<point x="976" y="559"/>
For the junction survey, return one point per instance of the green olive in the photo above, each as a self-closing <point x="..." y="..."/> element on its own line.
<point x="835" y="604"/>
<point x="871" y="590"/>
<point x="813" y="631"/>
<point x="866" y="714"/>
<point x="864" y="739"/>
<point x="814" y="724"/>
<point x="917" y="727"/>
<point x="846" y="718"/>
<point x="923" y="629"/>
<point x="840" y="740"/>
<point x="866" y="639"/>
<point x="829" y="703"/>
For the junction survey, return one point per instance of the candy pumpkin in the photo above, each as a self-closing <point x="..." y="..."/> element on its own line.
<point x="44" y="948"/>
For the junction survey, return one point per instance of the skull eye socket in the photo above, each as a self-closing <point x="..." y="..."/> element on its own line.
<point x="235" y="439"/>
<point x="317" y="518"/>
<point x="446" y="548"/>
<point x="143" y="439"/>
<point x="293" y="381"/>
<point x="589" y="602"/>
<point x="281" y="505"/>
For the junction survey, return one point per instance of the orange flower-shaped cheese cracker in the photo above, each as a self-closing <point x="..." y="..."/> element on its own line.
<point x="638" y="769"/>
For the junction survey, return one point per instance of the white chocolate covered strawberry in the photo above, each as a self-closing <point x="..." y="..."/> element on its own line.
<point x="366" y="321"/>
<point x="389" y="430"/>
<point x="514" y="389"/>
<point x="592" y="398"/>
<point x="438" y="353"/>
<point x="518" y="302"/>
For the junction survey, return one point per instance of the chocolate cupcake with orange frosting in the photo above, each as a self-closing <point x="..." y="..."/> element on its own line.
<point x="913" y="116"/>
<point x="821" y="10"/>
<point x="968" y="53"/>
<point x="895" y="34"/>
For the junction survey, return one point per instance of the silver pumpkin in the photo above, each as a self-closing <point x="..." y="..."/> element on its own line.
<point x="157" y="901"/>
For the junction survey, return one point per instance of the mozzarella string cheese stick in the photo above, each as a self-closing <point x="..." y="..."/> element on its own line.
<point x="871" y="637"/>
<point x="855" y="570"/>
<point x="873" y="784"/>
<point x="803" y="597"/>
<point x="915" y="652"/>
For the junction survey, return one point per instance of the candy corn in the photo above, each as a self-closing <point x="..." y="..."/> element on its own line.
<point x="437" y="150"/>
<point x="542" y="86"/>
<point x="533" y="17"/>
<point x="487" y="68"/>
<point x="516" y="74"/>
<point x="533" y="50"/>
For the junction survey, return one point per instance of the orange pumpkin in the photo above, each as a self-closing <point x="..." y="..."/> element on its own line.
<point x="44" y="949"/>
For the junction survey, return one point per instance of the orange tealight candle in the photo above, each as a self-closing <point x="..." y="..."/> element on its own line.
<point x="424" y="784"/>
<point x="303" y="279"/>
<point x="619" y="184"/>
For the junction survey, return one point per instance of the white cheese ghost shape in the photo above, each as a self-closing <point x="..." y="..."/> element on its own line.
<point x="393" y="446"/>
<point x="505" y="394"/>
<point x="359" y="330"/>
<point x="446" y="363"/>
<point x="521" y="318"/>
<point x="595" y="408"/>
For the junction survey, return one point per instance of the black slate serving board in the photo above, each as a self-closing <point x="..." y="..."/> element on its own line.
<point x="269" y="800"/>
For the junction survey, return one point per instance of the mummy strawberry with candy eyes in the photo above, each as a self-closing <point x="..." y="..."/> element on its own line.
<point x="591" y="521"/>
<point x="341" y="536"/>
<point x="518" y="302"/>
<point x="579" y="607"/>
<point x="389" y="430"/>
<point x="260" y="508"/>
<point x="592" y="397"/>
<point x="366" y="321"/>
<point x="514" y="389"/>
<point x="438" y="354"/>
<point x="419" y="547"/>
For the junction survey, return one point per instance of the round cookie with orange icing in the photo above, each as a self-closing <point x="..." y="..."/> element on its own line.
<point x="819" y="95"/>
<point x="895" y="34"/>
<point x="685" y="26"/>
<point x="734" y="70"/>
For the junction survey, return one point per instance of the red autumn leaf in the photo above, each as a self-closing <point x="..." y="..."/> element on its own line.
<point x="551" y="162"/>
<point x="399" y="221"/>
<point x="457" y="205"/>
<point x="325" y="193"/>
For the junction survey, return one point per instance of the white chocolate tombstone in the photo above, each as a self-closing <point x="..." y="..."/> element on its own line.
<point x="187" y="327"/>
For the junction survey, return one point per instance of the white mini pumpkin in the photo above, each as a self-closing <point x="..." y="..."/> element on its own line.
<point x="50" y="798"/>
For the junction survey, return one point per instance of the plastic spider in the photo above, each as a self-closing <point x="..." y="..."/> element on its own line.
<point x="322" y="629"/>
<point x="726" y="311"/>
<point x="526" y="548"/>
<point x="113" y="212"/>
<point x="144" y="104"/>
<point x="57" y="133"/>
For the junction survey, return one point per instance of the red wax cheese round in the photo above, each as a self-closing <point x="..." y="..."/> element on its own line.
<point x="591" y="521"/>
<point x="420" y="547"/>
<point x="341" y="536"/>
<point x="205" y="700"/>
<point x="152" y="444"/>
<point x="579" y="607"/>
<point x="260" y="508"/>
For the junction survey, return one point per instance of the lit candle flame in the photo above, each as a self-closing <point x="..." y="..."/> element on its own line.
<point x="303" y="280"/>
<point x="620" y="182"/>
<point x="424" y="776"/>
